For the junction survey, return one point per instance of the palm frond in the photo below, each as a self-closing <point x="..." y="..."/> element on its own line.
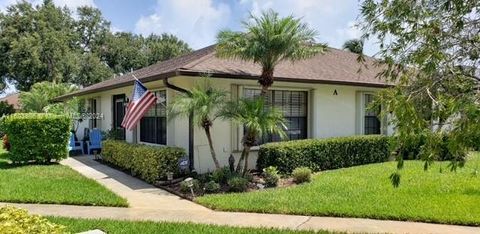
<point x="256" y="117"/>
<point x="204" y="101"/>
<point x="354" y="46"/>
<point x="269" y="39"/>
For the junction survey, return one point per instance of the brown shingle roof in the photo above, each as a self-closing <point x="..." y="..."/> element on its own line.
<point x="12" y="99"/>
<point x="335" y="67"/>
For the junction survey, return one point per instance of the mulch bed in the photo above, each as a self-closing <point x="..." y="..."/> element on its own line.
<point x="173" y="186"/>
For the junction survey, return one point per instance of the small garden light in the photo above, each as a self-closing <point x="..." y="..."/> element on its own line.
<point x="189" y="182"/>
<point x="170" y="176"/>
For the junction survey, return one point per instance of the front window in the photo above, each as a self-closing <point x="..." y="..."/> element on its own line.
<point x="293" y="104"/>
<point x="371" y="124"/>
<point x="153" y="125"/>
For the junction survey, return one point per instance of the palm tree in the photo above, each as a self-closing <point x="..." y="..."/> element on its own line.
<point x="204" y="102"/>
<point x="354" y="46"/>
<point x="268" y="40"/>
<point x="258" y="120"/>
<point x="40" y="95"/>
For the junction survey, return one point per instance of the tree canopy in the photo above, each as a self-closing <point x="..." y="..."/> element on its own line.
<point x="431" y="50"/>
<point x="46" y="43"/>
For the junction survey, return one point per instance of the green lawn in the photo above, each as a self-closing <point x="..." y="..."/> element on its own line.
<point x="114" y="227"/>
<point x="52" y="184"/>
<point x="365" y="191"/>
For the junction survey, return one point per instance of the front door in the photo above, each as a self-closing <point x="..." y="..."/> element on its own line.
<point x="118" y="114"/>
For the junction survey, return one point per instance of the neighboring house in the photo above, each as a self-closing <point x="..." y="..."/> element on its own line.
<point x="324" y="96"/>
<point x="12" y="99"/>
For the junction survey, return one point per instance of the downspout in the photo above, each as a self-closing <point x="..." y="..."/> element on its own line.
<point x="190" y="123"/>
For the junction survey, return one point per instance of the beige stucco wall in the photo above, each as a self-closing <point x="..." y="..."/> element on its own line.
<point x="329" y="116"/>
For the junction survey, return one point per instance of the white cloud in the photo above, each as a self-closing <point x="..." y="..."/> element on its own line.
<point x="195" y="21"/>
<point x="115" y="29"/>
<point x="350" y="31"/>
<point x="74" y="4"/>
<point x="334" y="20"/>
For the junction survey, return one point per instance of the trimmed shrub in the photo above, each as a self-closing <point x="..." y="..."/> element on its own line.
<point x="36" y="137"/>
<point x="237" y="184"/>
<point x="149" y="163"/>
<point x="195" y="186"/>
<point x="222" y="175"/>
<point x="14" y="220"/>
<point x="271" y="176"/>
<point x="212" y="187"/>
<point x="323" y="154"/>
<point x="302" y="174"/>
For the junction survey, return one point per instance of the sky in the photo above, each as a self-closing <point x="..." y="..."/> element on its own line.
<point x="198" y="21"/>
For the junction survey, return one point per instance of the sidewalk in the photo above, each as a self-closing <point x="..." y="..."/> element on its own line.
<point x="150" y="203"/>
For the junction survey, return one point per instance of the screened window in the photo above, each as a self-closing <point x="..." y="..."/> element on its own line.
<point x="153" y="125"/>
<point x="372" y="124"/>
<point x="293" y="104"/>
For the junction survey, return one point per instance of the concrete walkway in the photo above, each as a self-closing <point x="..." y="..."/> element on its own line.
<point x="150" y="203"/>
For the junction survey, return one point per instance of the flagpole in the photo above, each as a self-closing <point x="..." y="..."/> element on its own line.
<point x="135" y="77"/>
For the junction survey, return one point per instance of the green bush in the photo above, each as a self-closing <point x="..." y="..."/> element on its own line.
<point x="36" y="137"/>
<point x="212" y="187"/>
<point x="222" y="175"/>
<point x="113" y="134"/>
<point x="323" y="154"/>
<point x="149" y="163"/>
<point x="237" y="184"/>
<point x="14" y="220"/>
<point x="6" y="108"/>
<point x="302" y="174"/>
<point x="184" y="188"/>
<point x="412" y="148"/>
<point x="271" y="176"/>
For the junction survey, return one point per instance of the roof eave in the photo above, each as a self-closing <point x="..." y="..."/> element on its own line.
<point x="284" y="79"/>
<point x="114" y="86"/>
<point x="216" y="75"/>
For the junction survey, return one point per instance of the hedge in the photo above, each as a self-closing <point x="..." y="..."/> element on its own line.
<point x="324" y="154"/>
<point x="36" y="137"/>
<point x="149" y="163"/>
<point x="14" y="220"/>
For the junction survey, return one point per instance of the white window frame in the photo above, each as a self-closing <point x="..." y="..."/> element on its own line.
<point x="166" y="117"/>
<point x="362" y="112"/>
<point x="240" y="94"/>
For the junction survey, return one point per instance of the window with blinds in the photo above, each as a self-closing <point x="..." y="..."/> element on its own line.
<point x="372" y="124"/>
<point x="153" y="125"/>
<point x="293" y="104"/>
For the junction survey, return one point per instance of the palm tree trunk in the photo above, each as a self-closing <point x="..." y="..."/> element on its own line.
<point x="266" y="80"/>
<point x="247" y="153"/>
<point x="212" y="150"/>
<point x="240" y="161"/>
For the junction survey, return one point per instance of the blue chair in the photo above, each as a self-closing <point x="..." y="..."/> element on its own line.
<point x="73" y="144"/>
<point x="95" y="141"/>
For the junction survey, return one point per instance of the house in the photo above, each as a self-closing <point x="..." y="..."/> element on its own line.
<point x="12" y="99"/>
<point x="324" y="96"/>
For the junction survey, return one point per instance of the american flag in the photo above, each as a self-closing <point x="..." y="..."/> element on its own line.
<point x="141" y="101"/>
